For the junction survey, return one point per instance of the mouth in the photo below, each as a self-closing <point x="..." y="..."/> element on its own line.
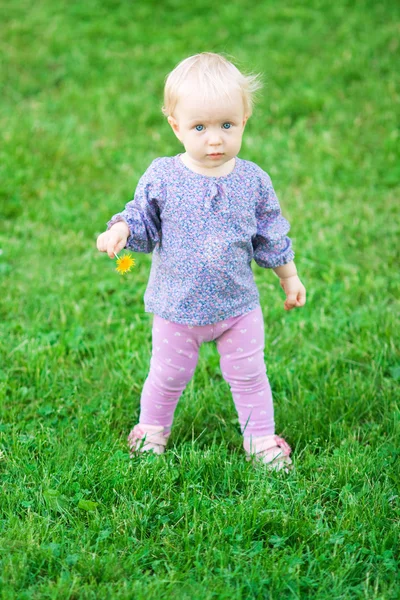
<point x="216" y="154"/>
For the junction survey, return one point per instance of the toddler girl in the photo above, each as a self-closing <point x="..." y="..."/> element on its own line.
<point x="205" y="214"/>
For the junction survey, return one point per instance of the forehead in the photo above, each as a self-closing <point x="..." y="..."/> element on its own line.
<point x="192" y="106"/>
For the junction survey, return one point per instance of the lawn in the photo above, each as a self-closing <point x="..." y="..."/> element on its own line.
<point x="80" y="121"/>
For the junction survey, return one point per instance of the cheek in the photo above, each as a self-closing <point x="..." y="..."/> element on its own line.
<point x="238" y="138"/>
<point x="195" y="140"/>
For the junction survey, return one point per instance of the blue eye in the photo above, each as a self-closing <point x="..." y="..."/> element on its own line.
<point x="197" y="127"/>
<point x="229" y="125"/>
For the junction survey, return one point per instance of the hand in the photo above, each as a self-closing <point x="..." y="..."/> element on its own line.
<point x="295" y="292"/>
<point x="113" y="240"/>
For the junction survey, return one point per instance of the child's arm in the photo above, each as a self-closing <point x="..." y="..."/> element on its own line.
<point x="291" y="285"/>
<point x="138" y="227"/>
<point x="273" y="248"/>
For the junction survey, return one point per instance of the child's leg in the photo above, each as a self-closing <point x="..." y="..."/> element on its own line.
<point x="174" y="358"/>
<point x="241" y="348"/>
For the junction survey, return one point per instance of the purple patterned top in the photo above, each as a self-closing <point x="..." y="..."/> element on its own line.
<point x="203" y="232"/>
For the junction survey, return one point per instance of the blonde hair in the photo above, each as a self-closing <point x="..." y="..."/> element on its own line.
<point x="215" y="75"/>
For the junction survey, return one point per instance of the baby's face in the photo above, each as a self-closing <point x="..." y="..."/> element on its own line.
<point x="212" y="133"/>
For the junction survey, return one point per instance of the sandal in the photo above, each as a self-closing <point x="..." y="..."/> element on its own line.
<point x="271" y="450"/>
<point x="145" y="438"/>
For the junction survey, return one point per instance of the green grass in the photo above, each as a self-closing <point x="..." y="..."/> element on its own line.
<point x="80" y="122"/>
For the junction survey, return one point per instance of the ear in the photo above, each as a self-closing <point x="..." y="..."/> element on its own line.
<point x="175" y="127"/>
<point x="245" y="118"/>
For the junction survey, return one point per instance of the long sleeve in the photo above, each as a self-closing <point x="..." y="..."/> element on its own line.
<point x="271" y="245"/>
<point x="142" y="214"/>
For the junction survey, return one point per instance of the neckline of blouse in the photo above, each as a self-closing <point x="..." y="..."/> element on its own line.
<point x="210" y="177"/>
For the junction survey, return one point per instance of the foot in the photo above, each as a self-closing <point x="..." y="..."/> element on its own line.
<point x="271" y="450"/>
<point x="145" y="438"/>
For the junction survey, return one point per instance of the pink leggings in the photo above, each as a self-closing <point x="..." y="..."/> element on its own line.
<point x="240" y="343"/>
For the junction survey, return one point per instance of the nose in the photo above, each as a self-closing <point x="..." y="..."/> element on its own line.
<point x="214" y="139"/>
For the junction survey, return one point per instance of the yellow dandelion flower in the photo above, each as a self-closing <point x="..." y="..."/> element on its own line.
<point x="124" y="263"/>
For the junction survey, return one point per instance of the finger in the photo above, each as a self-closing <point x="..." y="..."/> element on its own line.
<point x="111" y="248"/>
<point x="290" y="301"/>
<point x="100" y="243"/>
<point x="301" y="299"/>
<point x="120" y="246"/>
